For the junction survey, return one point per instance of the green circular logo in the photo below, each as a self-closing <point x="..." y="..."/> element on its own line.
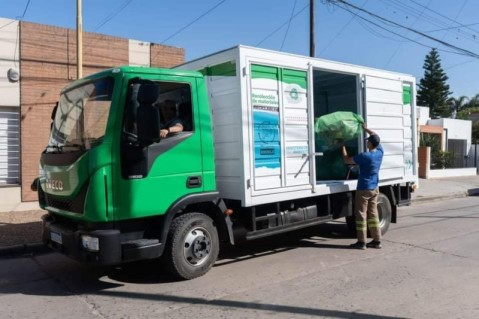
<point x="294" y="94"/>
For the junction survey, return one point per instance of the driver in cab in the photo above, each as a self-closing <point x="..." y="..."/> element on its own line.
<point x="171" y="123"/>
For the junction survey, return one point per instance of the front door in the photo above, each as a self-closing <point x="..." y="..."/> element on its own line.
<point x="150" y="179"/>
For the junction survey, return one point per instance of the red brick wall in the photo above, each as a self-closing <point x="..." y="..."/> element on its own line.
<point x="165" y="57"/>
<point x="47" y="64"/>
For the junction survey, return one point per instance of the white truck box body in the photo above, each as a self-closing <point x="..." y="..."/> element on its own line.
<point x="262" y="105"/>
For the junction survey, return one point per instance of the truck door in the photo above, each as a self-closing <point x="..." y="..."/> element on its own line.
<point x="152" y="177"/>
<point x="388" y="110"/>
<point x="280" y="127"/>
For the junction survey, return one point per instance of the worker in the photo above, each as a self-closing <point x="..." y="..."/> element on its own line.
<point x="367" y="191"/>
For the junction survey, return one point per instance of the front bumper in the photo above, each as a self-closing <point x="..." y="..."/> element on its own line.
<point x="67" y="240"/>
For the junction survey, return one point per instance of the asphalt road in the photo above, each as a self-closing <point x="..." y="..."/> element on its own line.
<point x="428" y="268"/>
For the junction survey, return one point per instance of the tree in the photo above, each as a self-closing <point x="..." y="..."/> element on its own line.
<point x="475" y="132"/>
<point x="433" y="90"/>
<point x="458" y="104"/>
<point x="473" y="102"/>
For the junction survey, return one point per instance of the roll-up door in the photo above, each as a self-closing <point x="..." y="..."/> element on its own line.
<point x="9" y="146"/>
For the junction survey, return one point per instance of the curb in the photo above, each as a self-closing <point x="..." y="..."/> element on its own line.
<point x="468" y="193"/>
<point x="24" y="249"/>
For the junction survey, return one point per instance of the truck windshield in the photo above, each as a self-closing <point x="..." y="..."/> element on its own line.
<point x="81" y="116"/>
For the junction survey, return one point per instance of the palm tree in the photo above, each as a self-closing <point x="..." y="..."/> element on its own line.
<point x="458" y="104"/>
<point x="473" y="102"/>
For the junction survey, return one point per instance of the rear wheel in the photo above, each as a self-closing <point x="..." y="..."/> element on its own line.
<point x="384" y="212"/>
<point x="193" y="246"/>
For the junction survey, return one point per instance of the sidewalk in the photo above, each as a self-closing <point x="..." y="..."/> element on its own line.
<point x="21" y="231"/>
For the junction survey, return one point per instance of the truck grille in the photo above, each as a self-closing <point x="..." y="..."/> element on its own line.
<point x="74" y="205"/>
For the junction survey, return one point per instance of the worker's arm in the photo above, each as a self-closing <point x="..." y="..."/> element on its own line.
<point x="348" y="160"/>
<point x="370" y="132"/>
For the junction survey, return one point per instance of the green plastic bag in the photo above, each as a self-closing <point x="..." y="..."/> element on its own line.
<point x="338" y="126"/>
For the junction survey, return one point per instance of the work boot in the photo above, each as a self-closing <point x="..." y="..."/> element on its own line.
<point x="374" y="244"/>
<point x="358" y="245"/>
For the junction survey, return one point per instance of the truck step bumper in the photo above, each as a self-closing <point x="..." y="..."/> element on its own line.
<point x="104" y="247"/>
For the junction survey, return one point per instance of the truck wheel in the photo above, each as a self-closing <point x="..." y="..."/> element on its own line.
<point x="192" y="246"/>
<point x="384" y="211"/>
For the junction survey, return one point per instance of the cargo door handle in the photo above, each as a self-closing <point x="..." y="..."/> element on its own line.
<point x="193" y="181"/>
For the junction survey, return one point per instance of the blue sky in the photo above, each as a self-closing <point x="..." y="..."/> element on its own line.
<point x="340" y="35"/>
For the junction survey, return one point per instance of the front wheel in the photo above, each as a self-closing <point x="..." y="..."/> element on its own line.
<point x="384" y="212"/>
<point x="192" y="246"/>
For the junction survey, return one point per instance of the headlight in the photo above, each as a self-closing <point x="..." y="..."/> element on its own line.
<point x="90" y="243"/>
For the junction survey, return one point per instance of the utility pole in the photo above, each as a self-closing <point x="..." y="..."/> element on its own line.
<point x="79" y="40"/>
<point x="311" y="29"/>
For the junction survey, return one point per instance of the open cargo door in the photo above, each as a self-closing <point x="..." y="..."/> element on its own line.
<point x="388" y="111"/>
<point x="280" y="127"/>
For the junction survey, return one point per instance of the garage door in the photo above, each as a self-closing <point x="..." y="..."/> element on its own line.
<point x="9" y="146"/>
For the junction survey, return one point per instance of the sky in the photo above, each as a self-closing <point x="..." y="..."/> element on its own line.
<point x="394" y="35"/>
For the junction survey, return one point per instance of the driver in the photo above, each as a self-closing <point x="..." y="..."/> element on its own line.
<point x="171" y="122"/>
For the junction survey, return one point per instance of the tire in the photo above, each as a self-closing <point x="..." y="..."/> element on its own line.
<point x="384" y="211"/>
<point x="192" y="246"/>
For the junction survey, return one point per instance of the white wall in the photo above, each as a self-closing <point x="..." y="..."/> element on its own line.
<point x="139" y="53"/>
<point x="422" y="115"/>
<point x="9" y="58"/>
<point x="456" y="129"/>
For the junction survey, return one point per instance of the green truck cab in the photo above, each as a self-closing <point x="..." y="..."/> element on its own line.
<point x="112" y="185"/>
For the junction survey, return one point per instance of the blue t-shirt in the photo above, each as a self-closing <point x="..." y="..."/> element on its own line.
<point x="369" y="164"/>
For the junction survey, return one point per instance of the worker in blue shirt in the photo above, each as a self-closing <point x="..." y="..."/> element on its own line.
<point x="367" y="191"/>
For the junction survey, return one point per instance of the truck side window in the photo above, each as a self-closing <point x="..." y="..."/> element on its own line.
<point x="173" y="103"/>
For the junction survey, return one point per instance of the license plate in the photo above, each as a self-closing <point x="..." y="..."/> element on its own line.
<point x="56" y="237"/>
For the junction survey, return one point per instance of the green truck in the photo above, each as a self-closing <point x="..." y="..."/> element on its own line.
<point x="246" y="164"/>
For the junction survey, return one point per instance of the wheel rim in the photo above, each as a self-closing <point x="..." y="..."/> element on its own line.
<point x="197" y="246"/>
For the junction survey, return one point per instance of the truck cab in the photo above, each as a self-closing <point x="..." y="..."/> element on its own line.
<point x="110" y="182"/>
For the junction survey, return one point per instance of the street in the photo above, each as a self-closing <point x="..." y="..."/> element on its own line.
<point x="428" y="268"/>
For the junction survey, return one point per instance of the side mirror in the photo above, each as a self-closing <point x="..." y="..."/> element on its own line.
<point x="148" y="124"/>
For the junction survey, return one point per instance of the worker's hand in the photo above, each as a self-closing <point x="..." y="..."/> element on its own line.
<point x="339" y="142"/>
<point x="365" y="126"/>
<point x="163" y="133"/>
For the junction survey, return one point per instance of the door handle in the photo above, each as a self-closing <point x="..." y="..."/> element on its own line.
<point x="193" y="181"/>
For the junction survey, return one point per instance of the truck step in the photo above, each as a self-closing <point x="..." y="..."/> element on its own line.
<point x="141" y="249"/>
<point x="138" y="243"/>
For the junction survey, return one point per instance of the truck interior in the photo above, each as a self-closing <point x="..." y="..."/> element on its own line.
<point x="332" y="92"/>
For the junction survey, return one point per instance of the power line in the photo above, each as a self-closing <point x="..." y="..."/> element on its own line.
<point x="446" y="17"/>
<point x="412" y="11"/>
<point x="7" y="24"/>
<point x="455" y="27"/>
<point x="281" y="26"/>
<point x="405" y="32"/>
<point x="189" y="24"/>
<point x="397" y="34"/>
<point x="113" y="14"/>
<point x="25" y="10"/>
<point x="457" y="16"/>
<point x="341" y="31"/>
<point x="384" y="20"/>
<point x="289" y="24"/>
